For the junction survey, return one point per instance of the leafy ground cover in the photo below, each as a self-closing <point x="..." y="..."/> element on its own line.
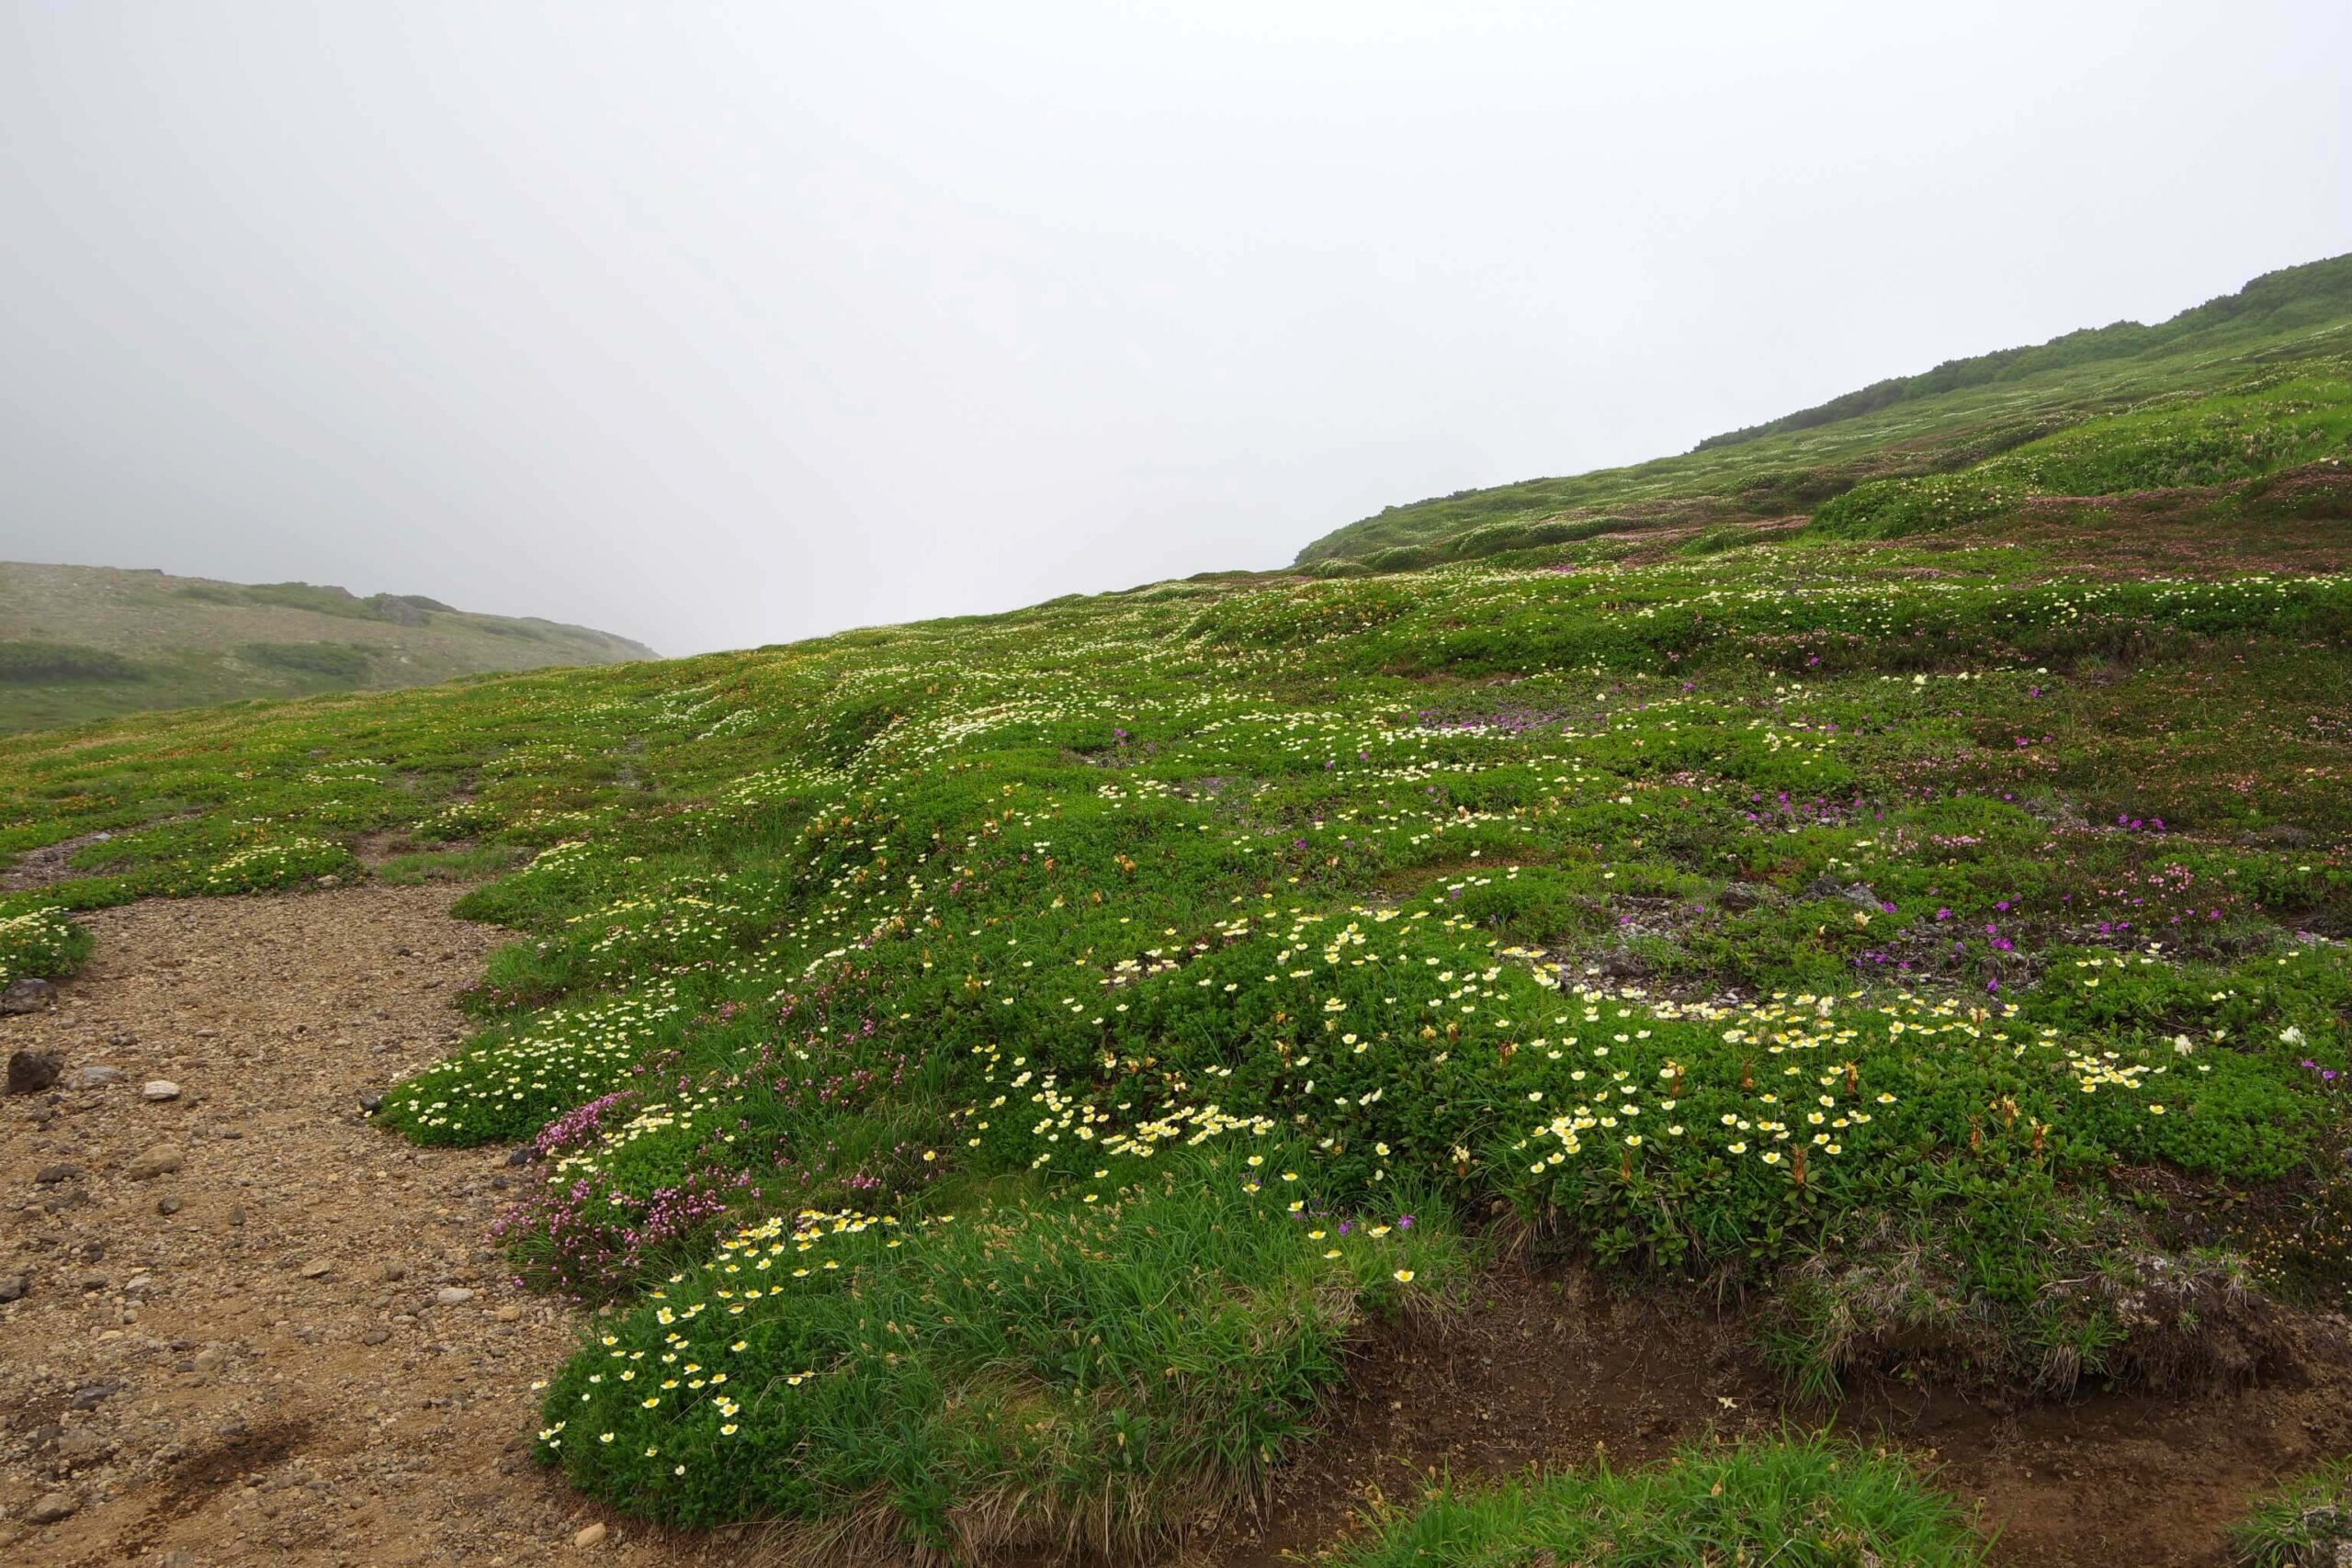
<point x="987" y="1071"/>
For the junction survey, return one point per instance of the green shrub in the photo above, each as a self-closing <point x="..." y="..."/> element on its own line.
<point x="31" y="662"/>
<point x="335" y="660"/>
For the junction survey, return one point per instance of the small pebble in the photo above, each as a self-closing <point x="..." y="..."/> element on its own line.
<point x="591" y="1535"/>
<point x="159" y="1089"/>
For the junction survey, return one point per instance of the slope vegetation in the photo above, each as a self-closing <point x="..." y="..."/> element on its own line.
<point x="996" y="1073"/>
<point x="80" y="642"/>
<point x="2282" y="338"/>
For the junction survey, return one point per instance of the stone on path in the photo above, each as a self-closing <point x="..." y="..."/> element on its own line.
<point x="27" y="995"/>
<point x="161" y="1160"/>
<point x="160" y="1090"/>
<point x="49" y="1509"/>
<point x="29" y="1072"/>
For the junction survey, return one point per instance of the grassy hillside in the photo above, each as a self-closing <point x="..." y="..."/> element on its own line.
<point x="994" y="1071"/>
<point x="994" y="1068"/>
<point x="79" y="642"/>
<point x="2282" y="339"/>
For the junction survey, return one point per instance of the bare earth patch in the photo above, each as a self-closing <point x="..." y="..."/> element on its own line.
<point x="312" y="1359"/>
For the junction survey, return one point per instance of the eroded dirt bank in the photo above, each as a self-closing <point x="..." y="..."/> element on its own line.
<point x="254" y="1329"/>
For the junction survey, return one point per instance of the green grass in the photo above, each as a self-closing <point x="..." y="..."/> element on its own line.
<point x="1935" y="937"/>
<point x="476" y="863"/>
<point x="1805" y="1503"/>
<point x="1014" y="1371"/>
<point x="2306" y="1523"/>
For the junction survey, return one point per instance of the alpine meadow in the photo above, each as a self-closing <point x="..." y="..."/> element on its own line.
<point x="1029" y="1084"/>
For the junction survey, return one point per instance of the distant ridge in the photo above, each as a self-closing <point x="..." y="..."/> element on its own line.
<point x="80" y="642"/>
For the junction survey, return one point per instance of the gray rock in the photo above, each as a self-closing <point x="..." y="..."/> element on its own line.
<point x="50" y="1174"/>
<point x="27" y="995"/>
<point x="12" y="1287"/>
<point x="1624" y="964"/>
<point x="89" y="1396"/>
<point x="452" y="1295"/>
<point x="29" y="1072"/>
<point x="169" y="1203"/>
<point x="80" y="1445"/>
<point x="49" y="1510"/>
<point x="161" y="1160"/>
<point x="95" y="1078"/>
<point x="1738" y="897"/>
<point x="160" y="1090"/>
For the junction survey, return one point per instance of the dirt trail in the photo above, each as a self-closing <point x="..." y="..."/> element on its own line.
<point x="281" y="1369"/>
<point x="284" y="1367"/>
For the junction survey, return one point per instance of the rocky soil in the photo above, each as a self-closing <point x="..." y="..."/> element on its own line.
<point x="237" y="1323"/>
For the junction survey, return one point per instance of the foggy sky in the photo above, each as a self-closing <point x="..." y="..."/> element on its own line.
<point x="722" y="326"/>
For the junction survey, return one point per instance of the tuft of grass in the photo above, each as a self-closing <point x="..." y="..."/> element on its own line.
<point x="2305" y="1523"/>
<point x="1805" y="1502"/>
<point x="1043" y="1368"/>
<point x="477" y="862"/>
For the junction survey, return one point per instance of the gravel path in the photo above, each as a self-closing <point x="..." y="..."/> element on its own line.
<point x="248" y="1327"/>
